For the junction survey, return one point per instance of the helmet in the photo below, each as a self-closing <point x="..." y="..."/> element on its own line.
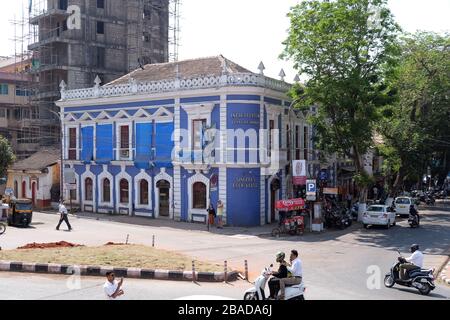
<point x="414" y="248"/>
<point x="280" y="256"/>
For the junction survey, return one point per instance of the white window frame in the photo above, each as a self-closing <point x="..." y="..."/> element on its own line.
<point x="124" y="175"/>
<point x="88" y="174"/>
<point x="198" y="177"/>
<point x="101" y="177"/>
<point x="197" y="112"/>
<point x="119" y="125"/>
<point x="137" y="187"/>
<point x="77" y="133"/>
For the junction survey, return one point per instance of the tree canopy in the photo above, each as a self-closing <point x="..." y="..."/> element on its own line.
<point x="346" y="49"/>
<point x="7" y="156"/>
<point x="416" y="124"/>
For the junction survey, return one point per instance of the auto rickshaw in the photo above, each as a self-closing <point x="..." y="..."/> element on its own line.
<point x="20" y="213"/>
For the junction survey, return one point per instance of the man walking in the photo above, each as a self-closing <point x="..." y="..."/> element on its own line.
<point x="349" y="201"/>
<point x="296" y="269"/>
<point x="64" y="216"/>
<point x="113" y="288"/>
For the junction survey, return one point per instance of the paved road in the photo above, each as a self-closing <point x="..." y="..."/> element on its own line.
<point x="336" y="263"/>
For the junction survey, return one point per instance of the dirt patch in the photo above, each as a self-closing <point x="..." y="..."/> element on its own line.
<point x="115" y="244"/>
<point x="61" y="244"/>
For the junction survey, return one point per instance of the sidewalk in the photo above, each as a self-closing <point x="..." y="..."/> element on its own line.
<point x="260" y="231"/>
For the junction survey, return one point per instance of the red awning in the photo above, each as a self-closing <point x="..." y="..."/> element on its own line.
<point x="290" y="205"/>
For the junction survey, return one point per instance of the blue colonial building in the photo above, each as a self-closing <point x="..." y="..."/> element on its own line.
<point x="167" y="140"/>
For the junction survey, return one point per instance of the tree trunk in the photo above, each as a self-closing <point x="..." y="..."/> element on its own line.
<point x="398" y="182"/>
<point x="359" y="166"/>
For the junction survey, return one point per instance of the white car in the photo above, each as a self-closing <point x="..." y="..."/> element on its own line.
<point x="402" y="205"/>
<point x="378" y="215"/>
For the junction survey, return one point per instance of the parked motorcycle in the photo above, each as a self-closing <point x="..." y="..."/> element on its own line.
<point x="421" y="279"/>
<point x="336" y="219"/>
<point x="353" y="212"/>
<point x="296" y="292"/>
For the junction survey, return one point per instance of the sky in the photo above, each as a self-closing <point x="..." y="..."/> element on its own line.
<point x="249" y="31"/>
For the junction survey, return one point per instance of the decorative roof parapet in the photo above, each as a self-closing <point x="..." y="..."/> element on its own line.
<point x="235" y="79"/>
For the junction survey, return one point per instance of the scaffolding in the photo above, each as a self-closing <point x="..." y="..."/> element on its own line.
<point x="174" y="29"/>
<point x="23" y="124"/>
<point x="152" y="31"/>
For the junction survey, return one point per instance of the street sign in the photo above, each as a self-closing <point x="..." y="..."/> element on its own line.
<point x="69" y="175"/>
<point x="323" y="175"/>
<point x="311" y="187"/>
<point x="9" y="192"/>
<point x="70" y="186"/>
<point x="311" y="198"/>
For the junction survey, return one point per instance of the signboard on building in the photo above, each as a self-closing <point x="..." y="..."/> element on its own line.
<point x="332" y="191"/>
<point x="299" y="172"/>
<point x="291" y="204"/>
<point x="214" y="182"/>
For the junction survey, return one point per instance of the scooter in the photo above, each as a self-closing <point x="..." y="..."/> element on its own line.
<point x="296" y="292"/>
<point x="421" y="279"/>
<point x="414" y="221"/>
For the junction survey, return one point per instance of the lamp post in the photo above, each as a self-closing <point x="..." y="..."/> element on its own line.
<point x="60" y="117"/>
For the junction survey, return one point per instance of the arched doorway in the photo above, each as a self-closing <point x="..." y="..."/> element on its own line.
<point x="274" y="197"/>
<point x="16" y="188"/>
<point x="163" y="195"/>
<point x="24" y="189"/>
<point x="33" y="193"/>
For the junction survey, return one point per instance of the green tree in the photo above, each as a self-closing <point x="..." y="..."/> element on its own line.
<point x="416" y="125"/>
<point x="7" y="156"/>
<point x="345" y="48"/>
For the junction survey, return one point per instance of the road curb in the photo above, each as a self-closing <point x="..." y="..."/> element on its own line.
<point x="132" y="273"/>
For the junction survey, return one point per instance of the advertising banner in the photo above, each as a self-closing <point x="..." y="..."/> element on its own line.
<point x="290" y="205"/>
<point x="299" y="172"/>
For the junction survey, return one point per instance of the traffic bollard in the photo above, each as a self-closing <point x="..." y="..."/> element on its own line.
<point x="153" y="241"/>
<point x="193" y="271"/>
<point x="246" y="270"/>
<point x="225" y="272"/>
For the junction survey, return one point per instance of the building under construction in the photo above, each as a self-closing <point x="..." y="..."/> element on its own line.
<point x="76" y="40"/>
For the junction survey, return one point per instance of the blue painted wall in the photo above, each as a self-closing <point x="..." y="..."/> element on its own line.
<point x="245" y="116"/>
<point x="105" y="144"/>
<point x="87" y="143"/>
<point x="243" y="197"/>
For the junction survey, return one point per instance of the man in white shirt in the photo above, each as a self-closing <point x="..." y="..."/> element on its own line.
<point x="414" y="261"/>
<point x="63" y="216"/>
<point x="296" y="270"/>
<point x="112" y="287"/>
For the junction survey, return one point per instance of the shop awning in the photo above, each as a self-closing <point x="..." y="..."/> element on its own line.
<point x="291" y="204"/>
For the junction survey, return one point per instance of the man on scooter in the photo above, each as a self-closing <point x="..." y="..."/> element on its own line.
<point x="413" y="212"/>
<point x="274" y="283"/>
<point x="296" y="270"/>
<point x="415" y="261"/>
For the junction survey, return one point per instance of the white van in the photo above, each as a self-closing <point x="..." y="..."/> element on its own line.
<point x="402" y="205"/>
